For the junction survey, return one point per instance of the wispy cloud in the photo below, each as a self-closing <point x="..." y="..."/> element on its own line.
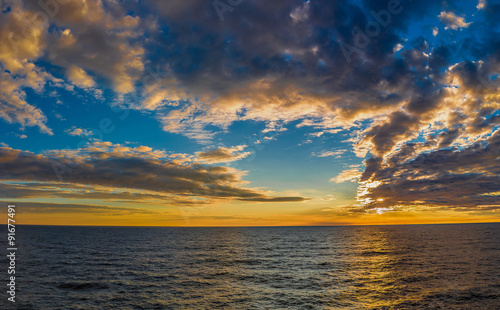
<point x="350" y="175"/>
<point x="223" y="154"/>
<point x="336" y="153"/>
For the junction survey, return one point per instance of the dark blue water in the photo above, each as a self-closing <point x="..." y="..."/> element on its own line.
<point x="363" y="267"/>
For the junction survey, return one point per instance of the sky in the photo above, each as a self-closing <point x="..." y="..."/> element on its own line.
<point x="250" y="112"/>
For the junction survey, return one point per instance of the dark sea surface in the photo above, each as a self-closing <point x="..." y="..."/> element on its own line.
<point x="360" y="267"/>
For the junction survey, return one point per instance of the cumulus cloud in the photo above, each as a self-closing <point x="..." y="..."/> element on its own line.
<point x="23" y="40"/>
<point x="91" y="30"/>
<point x="79" y="77"/>
<point x="455" y="177"/>
<point x="445" y="140"/>
<point x="79" y="132"/>
<point x="297" y="73"/>
<point x="452" y="21"/>
<point x="90" y="39"/>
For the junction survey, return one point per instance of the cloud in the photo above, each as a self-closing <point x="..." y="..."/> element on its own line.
<point x="38" y="190"/>
<point x="74" y="35"/>
<point x="223" y="154"/>
<point x="336" y="153"/>
<point x="384" y="136"/>
<point x="102" y="165"/>
<point x="481" y="4"/>
<point x="79" y="132"/>
<point x="454" y="177"/>
<point x="301" y="13"/>
<point x="87" y="30"/>
<point x="23" y="38"/>
<point x="298" y="73"/>
<point x="444" y="140"/>
<point x="22" y="41"/>
<point x="41" y="207"/>
<point x="350" y="175"/>
<point x="79" y="77"/>
<point x="452" y="21"/>
<point x="275" y="199"/>
<point x="13" y="105"/>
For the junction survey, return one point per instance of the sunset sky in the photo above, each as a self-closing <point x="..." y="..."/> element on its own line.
<point x="250" y="112"/>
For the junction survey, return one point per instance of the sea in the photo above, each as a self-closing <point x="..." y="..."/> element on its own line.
<point x="454" y="266"/>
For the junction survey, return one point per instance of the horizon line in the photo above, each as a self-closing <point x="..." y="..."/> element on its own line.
<point x="255" y="226"/>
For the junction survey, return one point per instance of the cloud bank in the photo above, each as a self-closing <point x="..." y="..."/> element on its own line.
<point x="115" y="172"/>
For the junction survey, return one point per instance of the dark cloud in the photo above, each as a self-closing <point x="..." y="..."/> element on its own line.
<point x="263" y="44"/>
<point x="36" y="190"/>
<point x="120" y="168"/>
<point x="385" y="136"/>
<point x="466" y="177"/>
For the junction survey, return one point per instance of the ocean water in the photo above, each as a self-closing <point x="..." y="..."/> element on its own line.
<point x="361" y="267"/>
